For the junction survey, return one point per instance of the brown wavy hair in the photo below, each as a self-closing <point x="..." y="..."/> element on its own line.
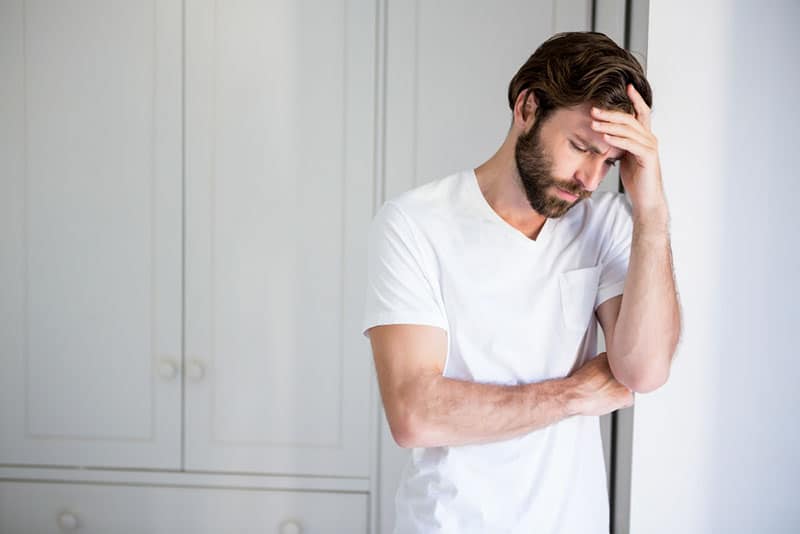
<point x="571" y="68"/>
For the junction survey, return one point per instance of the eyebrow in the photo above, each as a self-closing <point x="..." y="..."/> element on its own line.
<point x="593" y="148"/>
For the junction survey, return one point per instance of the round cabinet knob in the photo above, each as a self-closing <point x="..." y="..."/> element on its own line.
<point x="167" y="369"/>
<point x="290" y="527"/>
<point x="195" y="370"/>
<point x="67" y="521"/>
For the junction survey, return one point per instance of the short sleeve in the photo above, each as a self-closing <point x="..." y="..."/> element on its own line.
<point x="614" y="259"/>
<point x="399" y="288"/>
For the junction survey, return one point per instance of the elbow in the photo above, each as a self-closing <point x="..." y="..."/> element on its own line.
<point x="642" y="380"/>
<point x="649" y="382"/>
<point x="404" y="424"/>
<point x="406" y="433"/>
<point x="410" y="414"/>
<point x="400" y="433"/>
<point x="647" y="385"/>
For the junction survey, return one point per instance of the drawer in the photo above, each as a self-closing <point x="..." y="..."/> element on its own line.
<point x="45" y="507"/>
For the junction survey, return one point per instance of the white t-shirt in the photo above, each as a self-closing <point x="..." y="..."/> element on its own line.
<point x="516" y="311"/>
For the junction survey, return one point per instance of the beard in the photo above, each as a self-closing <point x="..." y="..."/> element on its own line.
<point x="534" y="168"/>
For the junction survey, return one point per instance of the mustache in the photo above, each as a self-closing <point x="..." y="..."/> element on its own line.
<point x="578" y="191"/>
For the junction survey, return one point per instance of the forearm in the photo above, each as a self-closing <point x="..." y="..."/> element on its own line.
<point x="648" y="325"/>
<point x="457" y="412"/>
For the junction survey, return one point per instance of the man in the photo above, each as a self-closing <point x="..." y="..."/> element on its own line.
<point x="482" y="292"/>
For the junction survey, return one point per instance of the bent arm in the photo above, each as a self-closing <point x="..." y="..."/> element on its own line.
<point x="648" y="326"/>
<point x="426" y="409"/>
<point x="458" y="412"/>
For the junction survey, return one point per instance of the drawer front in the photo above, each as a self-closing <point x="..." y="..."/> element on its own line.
<point x="39" y="507"/>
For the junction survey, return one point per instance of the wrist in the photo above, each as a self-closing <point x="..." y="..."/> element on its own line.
<point x="651" y="219"/>
<point x="572" y="397"/>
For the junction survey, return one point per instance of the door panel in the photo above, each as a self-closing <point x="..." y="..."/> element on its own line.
<point x="90" y="236"/>
<point x="280" y="128"/>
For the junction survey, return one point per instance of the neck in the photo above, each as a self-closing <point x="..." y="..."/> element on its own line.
<point x="500" y="184"/>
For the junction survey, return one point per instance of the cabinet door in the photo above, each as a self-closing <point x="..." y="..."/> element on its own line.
<point x="90" y="233"/>
<point x="279" y="195"/>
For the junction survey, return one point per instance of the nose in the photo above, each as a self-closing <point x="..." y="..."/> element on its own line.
<point x="591" y="173"/>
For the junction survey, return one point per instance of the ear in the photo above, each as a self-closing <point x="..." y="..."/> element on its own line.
<point x="525" y="109"/>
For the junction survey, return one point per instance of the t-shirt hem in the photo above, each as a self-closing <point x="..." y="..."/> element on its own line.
<point x="605" y="293"/>
<point x="402" y="318"/>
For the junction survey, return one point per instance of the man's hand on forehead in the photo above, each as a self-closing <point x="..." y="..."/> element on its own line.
<point x="640" y="170"/>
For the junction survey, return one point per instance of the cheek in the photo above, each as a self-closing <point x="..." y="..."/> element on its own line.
<point x="565" y="164"/>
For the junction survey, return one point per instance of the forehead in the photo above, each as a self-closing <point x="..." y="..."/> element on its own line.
<point x="577" y="120"/>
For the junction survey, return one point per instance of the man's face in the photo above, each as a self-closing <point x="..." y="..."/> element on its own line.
<point x="562" y="147"/>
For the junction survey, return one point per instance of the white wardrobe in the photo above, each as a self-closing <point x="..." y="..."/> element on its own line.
<point x="185" y="190"/>
<point x="185" y="193"/>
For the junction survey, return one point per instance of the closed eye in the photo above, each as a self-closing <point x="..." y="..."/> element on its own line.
<point x="609" y="162"/>
<point x="576" y="147"/>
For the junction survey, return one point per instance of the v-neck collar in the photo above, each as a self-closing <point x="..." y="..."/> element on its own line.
<point x="484" y="206"/>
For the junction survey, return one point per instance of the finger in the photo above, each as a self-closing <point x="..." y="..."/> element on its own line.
<point x="623" y="130"/>
<point x="641" y="107"/>
<point x="634" y="147"/>
<point x="618" y="116"/>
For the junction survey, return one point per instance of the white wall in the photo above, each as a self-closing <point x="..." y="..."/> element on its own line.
<point x="717" y="448"/>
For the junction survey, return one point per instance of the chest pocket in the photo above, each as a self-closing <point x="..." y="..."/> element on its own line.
<point x="578" y="293"/>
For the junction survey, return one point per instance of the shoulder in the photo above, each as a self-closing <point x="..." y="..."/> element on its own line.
<point x="604" y="204"/>
<point x="609" y="212"/>
<point x="602" y="218"/>
<point x="428" y="197"/>
<point x="423" y="204"/>
<point x="611" y="219"/>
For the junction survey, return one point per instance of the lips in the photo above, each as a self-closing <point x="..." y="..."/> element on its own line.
<point x="566" y="194"/>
